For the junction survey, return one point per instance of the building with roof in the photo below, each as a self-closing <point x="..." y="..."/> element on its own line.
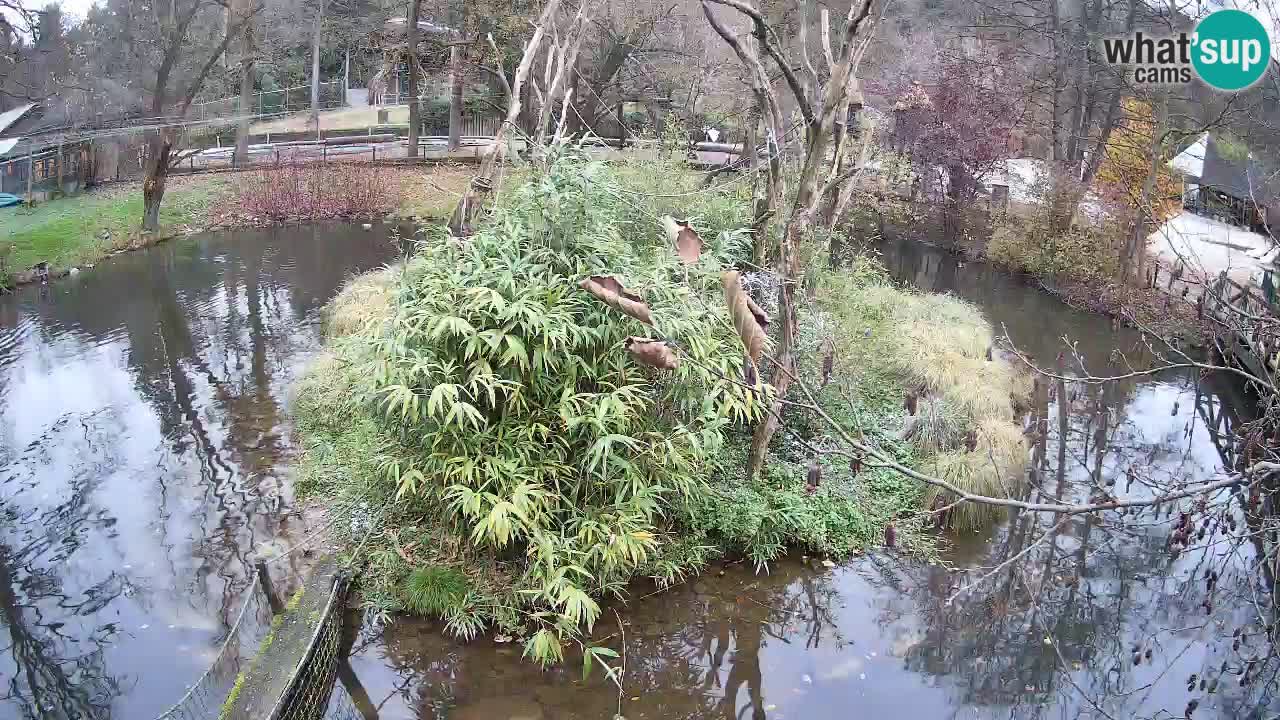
<point x="1224" y="180"/>
<point x="38" y="159"/>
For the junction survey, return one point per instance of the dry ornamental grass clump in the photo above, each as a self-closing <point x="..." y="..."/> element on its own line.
<point x="964" y="419"/>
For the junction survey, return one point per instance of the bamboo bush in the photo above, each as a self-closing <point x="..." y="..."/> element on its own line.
<point x="529" y="465"/>
<point x="520" y="421"/>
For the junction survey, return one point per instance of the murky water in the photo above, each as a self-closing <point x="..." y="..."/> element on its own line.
<point x="143" y="456"/>
<point x="1064" y="633"/>
<point x="142" y="429"/>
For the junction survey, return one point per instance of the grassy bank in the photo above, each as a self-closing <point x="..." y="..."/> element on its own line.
<point x="478" y="417"/>
<point x="1082" y="265"/>
<point x="81" y="229"/>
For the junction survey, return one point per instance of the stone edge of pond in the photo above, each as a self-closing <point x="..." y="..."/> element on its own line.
<point x="284" y="653"/>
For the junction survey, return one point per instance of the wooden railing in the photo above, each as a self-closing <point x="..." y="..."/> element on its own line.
<point x="1246" y="322"/>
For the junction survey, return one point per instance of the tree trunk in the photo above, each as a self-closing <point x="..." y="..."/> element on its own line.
<point x="415" y="118"/>
<point x="798" y="227"/>
<point x="461" y="222"/>
<point x="1137" y="250"/>
<point x="241" y="157"/>
<point x="574" y="122"/>
<point x="315" y="69"/>
<point x="1077" y="129"/>
<point x="455" y="96"/>
<point x="159" y="146"/>
<point x="751" y="139"/>
<point x="1057" y="149"/>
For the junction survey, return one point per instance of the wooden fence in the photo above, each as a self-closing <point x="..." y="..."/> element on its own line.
<point x="56" y="170"/>
<point x="1246" y="323"/>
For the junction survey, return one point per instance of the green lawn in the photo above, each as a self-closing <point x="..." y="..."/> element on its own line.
<point x="82" y="228"/>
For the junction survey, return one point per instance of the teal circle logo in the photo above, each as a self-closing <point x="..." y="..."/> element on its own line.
<point x="1231" y="50"/>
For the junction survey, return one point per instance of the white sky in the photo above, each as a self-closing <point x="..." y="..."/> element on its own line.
<point x="78" y="8"/>
<point x="1268" y="11"/>
<point x="70" y="8"/>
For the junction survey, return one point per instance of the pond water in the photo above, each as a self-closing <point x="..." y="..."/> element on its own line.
<point x="142" y="434"/>
<point x="144" y="452"/>
<point x="1095" y="618"/>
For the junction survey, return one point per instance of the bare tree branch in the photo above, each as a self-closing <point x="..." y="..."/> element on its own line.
<point x="769" y="41"/>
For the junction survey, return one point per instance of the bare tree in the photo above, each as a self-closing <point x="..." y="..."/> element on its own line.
<point x="462" y="221"/>
<point x="189" y="37"/>
<point x="317" y="36"/>
<point x="247" y="57"/>
<point x="801" y="221"/>
<point x="413" y="36"/>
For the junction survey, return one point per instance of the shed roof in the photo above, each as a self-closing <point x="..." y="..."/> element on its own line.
<point x="1233" y="169"/>
<point x="1190" y="162"/>
<point x="9" y="117"/>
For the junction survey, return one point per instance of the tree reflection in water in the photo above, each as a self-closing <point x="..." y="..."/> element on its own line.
<point x="1089" y="616"/>
<point x="50" y="669"/>
<point x="142" y="434"/>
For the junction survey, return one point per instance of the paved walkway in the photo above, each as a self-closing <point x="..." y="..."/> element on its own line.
<point x="1209" y="247"/>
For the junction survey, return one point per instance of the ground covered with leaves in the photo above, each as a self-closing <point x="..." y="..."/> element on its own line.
<point x="493" y="428"/>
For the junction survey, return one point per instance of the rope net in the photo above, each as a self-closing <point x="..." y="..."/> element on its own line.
<point x="205" y="698"/>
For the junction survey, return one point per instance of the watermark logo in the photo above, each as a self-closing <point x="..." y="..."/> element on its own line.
<point x="1229" y="51"/>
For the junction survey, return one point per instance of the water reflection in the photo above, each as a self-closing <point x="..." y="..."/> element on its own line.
<point x="142" y="425"/>
<point x="1042" y="617"/>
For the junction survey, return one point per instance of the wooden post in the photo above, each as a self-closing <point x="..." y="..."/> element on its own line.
<point x="59" y="189"/>
<point x="31" y="176"/>
<point x="264" y="580"/>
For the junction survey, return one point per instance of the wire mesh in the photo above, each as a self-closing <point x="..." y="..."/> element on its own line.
<point x="271" y="102"/>
<point x="307" y="695"/>
<point x="205" y="697"/>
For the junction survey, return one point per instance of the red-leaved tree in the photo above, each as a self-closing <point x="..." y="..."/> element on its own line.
<point x="964" y="126"/>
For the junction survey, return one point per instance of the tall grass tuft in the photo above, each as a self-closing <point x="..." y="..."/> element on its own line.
<point x="937" y="344"/>
<point x="435" y="591"/>
<point x="936" y="426"/>
<point x="363" y="304"/>
<point x="993" y="468"/>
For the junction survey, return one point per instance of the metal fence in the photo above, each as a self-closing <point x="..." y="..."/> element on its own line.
<point x="307" y="695"/>
<point x="333" y="94"/>
<point x="477" y="123"/>
<point x="344" y="707"/>
<point x="204" y="699"/>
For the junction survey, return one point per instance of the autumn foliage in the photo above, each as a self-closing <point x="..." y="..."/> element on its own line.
<point x="963" y="121"/>
<point x="1123" y="174"/>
